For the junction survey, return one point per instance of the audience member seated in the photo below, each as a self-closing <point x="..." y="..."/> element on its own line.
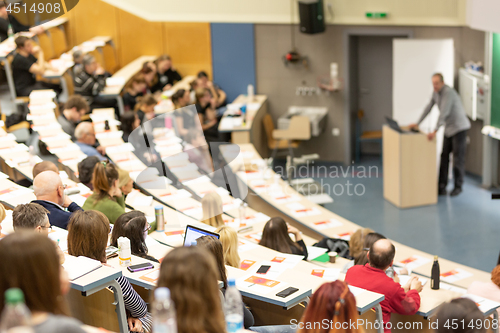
<point x="25" y="67"/>
<point x="462" y="312"/>
<point x="129" y="122"/>
<point x="30" y="263"/>
<point x="49" y="191"/>
<point x="107" y="197"/>
<point x="88" y="236"/>
<point x="85" y="139"/>
<point x="207" y="115"/>
<point x="275" y="236"/>
<point x="218" y="96"/>
<point x="125" y="183"/>
<point x="89" y="83"/>
<point x="213" y="246"/>
<point x="191" y="275"/>
<point x="74" y="109"/>
<point x="78" y="60"/>
<point x="359" y="244"/>
<point x="184" y="117"/>
<point x="197" y="149"/>
<point x="211" y="204"/>
<point x="490" y="289"/>
<point x="166" y="75"/>
<point x="332" y="303"/>
<point x="403" y="300"/>
<point x="362" y="258"/>
<point x="86" y="170"/>
<point x="134" y="89"/>
<point x="6" y="20"/>
<point x="145" y="107"/>
<point x="356" y="241"/>
<point x="149" y="73"/>
<point x="44" y="166"/>
<point x="31" y="216"/>
<point x="229" y="240"/>
<point x="135" y="227"/>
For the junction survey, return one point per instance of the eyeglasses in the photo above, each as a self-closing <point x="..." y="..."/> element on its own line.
<point x="44" y="227"/>
<point x="64" y="186"/>
<point x="148" y="227"/>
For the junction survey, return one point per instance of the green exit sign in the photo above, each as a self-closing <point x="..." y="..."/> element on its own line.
<point x="376" y="14"/>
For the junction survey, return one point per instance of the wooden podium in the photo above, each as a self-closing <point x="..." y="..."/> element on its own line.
<point x="410" y="169"/>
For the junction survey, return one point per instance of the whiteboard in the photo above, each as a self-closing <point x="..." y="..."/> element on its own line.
<point x="414" y="63"/>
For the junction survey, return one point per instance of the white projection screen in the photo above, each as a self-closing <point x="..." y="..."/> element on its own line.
<point x="414" y="62"/>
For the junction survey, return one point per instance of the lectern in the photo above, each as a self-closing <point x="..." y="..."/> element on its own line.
<point x="410" y="173"/>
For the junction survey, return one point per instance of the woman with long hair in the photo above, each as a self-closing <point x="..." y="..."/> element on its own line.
<point x="357" y="240"/>
<point x="184" y="116"/>
<point x="135" y="227"/>
<point x="211" y="204"/>
<point x="275" y="236"/>
<point x="191" y="275"/>
<point x="333" y="304"/>
<point x="145" y="107"/>
<point x="229" y="240"/>
<point x="133" y="90"/>
<point x="107" y="197"/>
<point x="166" y="75"/>
<point x="30" y="263"/>
<point x="88" y="236"/>
<point x="213" y="246"/>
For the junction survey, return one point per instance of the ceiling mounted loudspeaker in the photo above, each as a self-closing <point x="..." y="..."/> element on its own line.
<point x="312" y="17"/>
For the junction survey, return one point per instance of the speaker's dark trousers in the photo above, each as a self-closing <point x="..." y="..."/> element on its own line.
<point x="455" y="144"/>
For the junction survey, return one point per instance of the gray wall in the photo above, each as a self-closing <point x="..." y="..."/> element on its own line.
<point x="273" y="41"/>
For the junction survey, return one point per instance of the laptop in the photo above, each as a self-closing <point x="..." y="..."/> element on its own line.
<point x="395" y="126"/>
<point x="193" y="233"/>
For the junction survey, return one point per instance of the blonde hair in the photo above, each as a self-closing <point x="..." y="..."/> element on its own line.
<point x="123" y="177"/>
<point x="211" y="204"/>
<point x="3" y="214"/>
<point x="357" y="240"/>
<point x="229" y="240"/>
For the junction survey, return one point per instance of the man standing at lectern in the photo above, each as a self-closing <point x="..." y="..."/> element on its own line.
<point x="452" y="116"/>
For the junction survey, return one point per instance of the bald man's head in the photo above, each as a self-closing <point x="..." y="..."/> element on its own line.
<point x="44" y="166"/>
<point x="48" y="186"/>
<point x="381" y="254"/>
<point x="84" y="132"/>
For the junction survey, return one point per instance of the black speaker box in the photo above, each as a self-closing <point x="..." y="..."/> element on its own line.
<point x="312" y="19"/>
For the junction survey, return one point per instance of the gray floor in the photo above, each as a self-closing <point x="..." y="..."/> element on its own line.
<point x="464" y="229"/>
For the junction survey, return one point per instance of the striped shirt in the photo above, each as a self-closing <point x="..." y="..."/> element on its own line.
<point x="134" y="304"/>
<point x="89" y="85"/>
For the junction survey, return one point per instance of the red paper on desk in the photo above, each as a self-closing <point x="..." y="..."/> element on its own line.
<point x="408" y="260"/>
<point x="278" y="259"/>
<point x="8" y="190"/>
<point x="173" y="233"/>
<point x="262" y="282"/>
<point x="318" y="272"/>
<point x="449" y="273"/>
<point x="246" y="264"/>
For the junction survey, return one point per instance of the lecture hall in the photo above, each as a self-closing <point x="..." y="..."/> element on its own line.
<point x="223" y="166"/>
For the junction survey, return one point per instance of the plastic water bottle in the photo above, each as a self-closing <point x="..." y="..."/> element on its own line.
<point x="15" y="312"/>
<point x="164" y="318"/>
<point x="233" y="308"/>
<point x="10" y="32"/>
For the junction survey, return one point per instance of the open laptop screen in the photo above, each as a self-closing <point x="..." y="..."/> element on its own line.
<point x="193" y="233"/>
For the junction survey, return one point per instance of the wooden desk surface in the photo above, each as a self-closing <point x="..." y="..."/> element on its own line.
<point x="126" y="73"/>
<point x="253" y="107"/>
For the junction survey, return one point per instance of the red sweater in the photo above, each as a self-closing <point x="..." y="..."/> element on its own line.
<point x="396" y="300"/>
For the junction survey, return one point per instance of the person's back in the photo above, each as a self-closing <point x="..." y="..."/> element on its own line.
<point x="372" y="277"/>
<point x="490" y="289"/>
<point x="58" y="324"/>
